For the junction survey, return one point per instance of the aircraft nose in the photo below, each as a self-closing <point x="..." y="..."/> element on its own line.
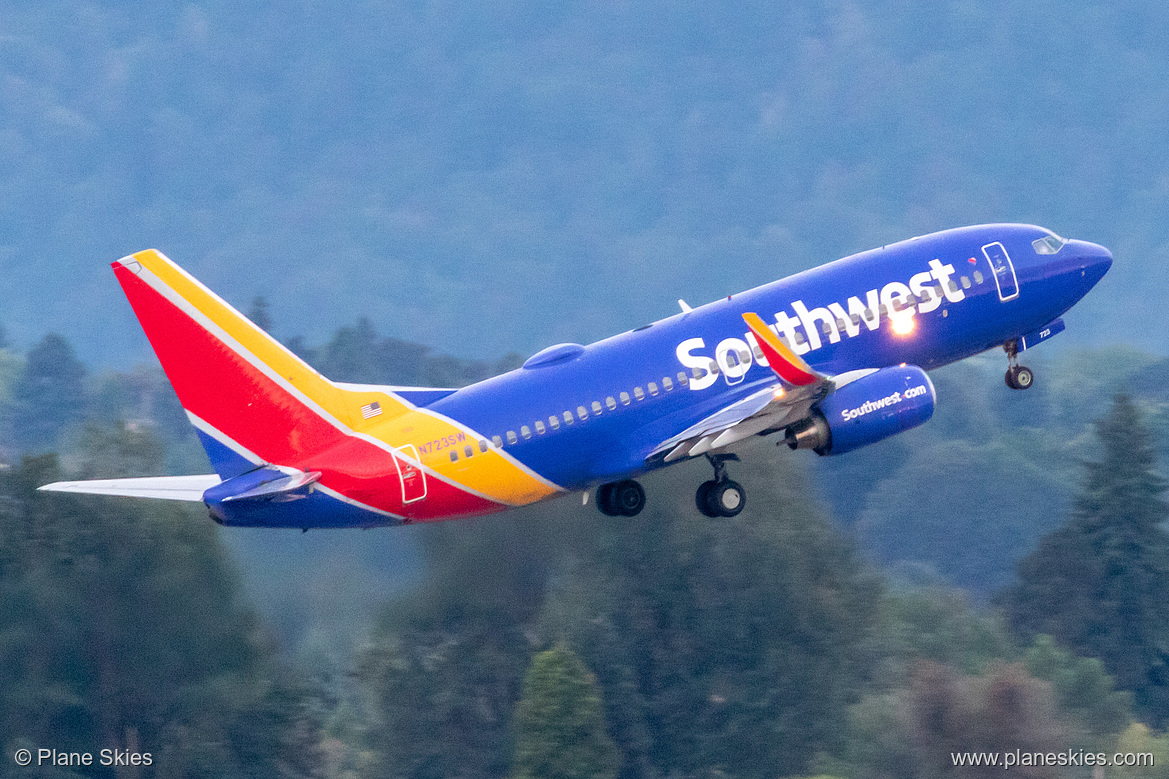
<point x="1095" y="260"/>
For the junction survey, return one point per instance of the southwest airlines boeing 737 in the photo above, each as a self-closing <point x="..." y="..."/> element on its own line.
<point x="832" y="359"/>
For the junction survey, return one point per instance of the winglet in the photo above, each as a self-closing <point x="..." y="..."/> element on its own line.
<point x="787" y="364"/>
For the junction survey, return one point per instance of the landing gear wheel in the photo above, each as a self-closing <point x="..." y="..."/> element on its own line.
<point x="1018" y="377"/>
<point x="725" y="499"/>
<point x="628" y="498"/>
<point x="720" y="497"/>
<point x="701" y="498"/>
<point x="605" y="499"/>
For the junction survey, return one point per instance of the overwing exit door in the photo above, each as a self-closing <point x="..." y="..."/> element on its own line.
<point x="1003" y="269"/>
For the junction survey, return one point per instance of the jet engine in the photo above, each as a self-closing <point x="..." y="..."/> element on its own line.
<point x="867" y="410"/>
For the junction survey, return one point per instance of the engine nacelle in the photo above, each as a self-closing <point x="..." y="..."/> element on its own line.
<point x="870" y="409"/>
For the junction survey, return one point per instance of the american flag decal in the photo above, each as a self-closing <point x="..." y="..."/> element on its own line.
<point x="371" y="410"/>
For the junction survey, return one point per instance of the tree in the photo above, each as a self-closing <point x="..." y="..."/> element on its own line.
<point x="445" y="664"/>
<point x="1100" y="584"/>
<point x="913" y="731"/>
<point x="560" y="724"/>
<point x="733" y="646"/>
<point x="49" y="395"/>
<point x="123" y="626"/>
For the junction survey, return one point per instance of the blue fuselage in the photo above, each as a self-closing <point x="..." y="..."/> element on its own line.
<point x="927" y="301"/>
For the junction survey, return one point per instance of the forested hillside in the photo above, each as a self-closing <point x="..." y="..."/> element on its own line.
<point x="559" y="172"/>
<point x="808" y="634"/>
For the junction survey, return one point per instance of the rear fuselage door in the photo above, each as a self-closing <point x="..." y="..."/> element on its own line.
<point x="410" y="473"/>
<point x="1003" y="269"/>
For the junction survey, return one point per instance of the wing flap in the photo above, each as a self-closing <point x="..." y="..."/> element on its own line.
<point x="189" y="488"/>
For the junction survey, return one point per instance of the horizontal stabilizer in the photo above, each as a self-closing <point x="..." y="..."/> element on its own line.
<point x="280" y="487"/>
<point x="161" y="487"/>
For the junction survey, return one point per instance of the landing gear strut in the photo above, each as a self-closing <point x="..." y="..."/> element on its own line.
<point x="621" y="498"/>
<point x="720" y="497"/>
<point x="1019" y="376"/>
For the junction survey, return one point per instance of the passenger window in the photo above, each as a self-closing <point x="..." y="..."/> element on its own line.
<point x="526" y="432"/>
<point x="953" y="286"/>
<point x="497" y="441"/>
<point x="697" y="373"/>
<point x="856" y="319"/>
<point x="596" y="407"/>
<point x="667" y="383"/>
<point x="826" y="328"/>
<point x="540" y="427"/>
<point x="454" y="456"/>
<point x="683" y="379"/>
<point x="714" y="367"/>
<point x="653" y="388"/>
<point x="965" y="283"/>
<point x="554" y="422"/>
<point x="625" y="398"/>
<point x="977" y="277"/>
<point x="568" y="417"/>
<point x="611" y="402"/>
<point x="800" y="340"/>
<point x="637" y="393"/>
<point x="482" y="446"/>
<point x="582" y="413"/>
<point x="468" y="450"/>
<point x="511" y="437"/>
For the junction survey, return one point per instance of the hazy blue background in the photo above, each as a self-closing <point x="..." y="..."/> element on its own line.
<point x="499" y="176"/>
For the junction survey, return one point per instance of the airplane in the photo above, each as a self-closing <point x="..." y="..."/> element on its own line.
<point x="831" y="359"/>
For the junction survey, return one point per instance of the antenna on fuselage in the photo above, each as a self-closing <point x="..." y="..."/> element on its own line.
<point x="682" y="304"/>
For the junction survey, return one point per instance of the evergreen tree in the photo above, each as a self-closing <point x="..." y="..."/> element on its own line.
<point x="1100" y="585"/>
<point x="49" y="395"/>
<point x="445" y="666"/>
<point x="733" y="647"/>
<point x="123" y="627"/>
<point x="560" y="725"/>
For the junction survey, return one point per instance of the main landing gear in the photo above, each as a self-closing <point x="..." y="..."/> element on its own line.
<point x="1019" y="376"/>
<point x="720" y="497"/>
<point x="621" y="498"/>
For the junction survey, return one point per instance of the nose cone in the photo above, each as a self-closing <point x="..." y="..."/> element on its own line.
<point x="1093" y="261"/>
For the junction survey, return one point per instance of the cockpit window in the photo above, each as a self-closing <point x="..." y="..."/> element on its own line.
<point x="1048" y="244"/>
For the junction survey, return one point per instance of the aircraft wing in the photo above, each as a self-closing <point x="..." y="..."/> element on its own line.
<point x="190" y="488"/>
<point x="772" y="408"/>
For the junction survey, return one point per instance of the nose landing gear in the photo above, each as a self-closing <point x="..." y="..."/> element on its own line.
<point x="1018" y="377"/>
<point x="720" y="497"/>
